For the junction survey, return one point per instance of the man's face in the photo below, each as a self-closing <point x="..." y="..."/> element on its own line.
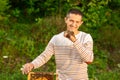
<point x="73" y="22"/>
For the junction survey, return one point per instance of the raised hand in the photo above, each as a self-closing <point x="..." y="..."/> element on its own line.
<point x="70" y="35"/>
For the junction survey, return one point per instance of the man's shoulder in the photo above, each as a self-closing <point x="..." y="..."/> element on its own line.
<point x="58" y="38"/>
<point x="59" y="34"/>
<point x="86" y="36"/>
<point x="84" y="33"/>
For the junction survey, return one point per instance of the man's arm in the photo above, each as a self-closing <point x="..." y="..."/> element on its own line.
<point x="40" y="60"/>
<point x="85" y="50"/>
<point x="44" y="57"/>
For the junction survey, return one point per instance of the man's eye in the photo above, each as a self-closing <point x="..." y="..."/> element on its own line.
<point x="71" y="20"/>
<point x="77" y="22"/>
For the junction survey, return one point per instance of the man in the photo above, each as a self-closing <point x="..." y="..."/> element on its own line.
<point x="73" y="50"/>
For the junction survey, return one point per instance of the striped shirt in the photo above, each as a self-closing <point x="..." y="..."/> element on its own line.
<point x="70" y="57"/>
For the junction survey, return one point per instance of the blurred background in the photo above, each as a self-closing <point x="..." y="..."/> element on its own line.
<point x="26" y="26"/>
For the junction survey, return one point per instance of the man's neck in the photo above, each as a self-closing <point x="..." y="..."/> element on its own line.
<point x="76" y="32"/>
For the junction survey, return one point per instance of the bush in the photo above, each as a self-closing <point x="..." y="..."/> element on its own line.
<point x="4" y="5"/>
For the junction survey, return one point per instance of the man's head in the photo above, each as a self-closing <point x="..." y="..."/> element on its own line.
<point x="73" y="20"/>
<point x="74" y="11"/>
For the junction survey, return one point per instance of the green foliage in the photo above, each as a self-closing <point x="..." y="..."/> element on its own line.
<point x="16" y="12"/>
<point x="95" y="12"/>
<point x="115" y="75"/>
<point x="114" y="4"/>
<point x="15" y="76"/>
<point x="4" y="6"/>
<point x="100" y="63"/>
<point x="28" y="40"/>
<point x="112" y="45"/>
<point x="25" y="31"/>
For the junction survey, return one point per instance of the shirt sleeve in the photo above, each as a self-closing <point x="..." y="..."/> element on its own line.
<point x="85" y="49"/>
<point x="45" y="55"/>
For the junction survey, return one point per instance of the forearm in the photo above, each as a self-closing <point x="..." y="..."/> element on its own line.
<point x="39" y="61"/>
<point x="43" y="57"/>
<point x="85" y="51"/>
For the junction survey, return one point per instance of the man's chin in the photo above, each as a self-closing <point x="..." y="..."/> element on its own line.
<point x="70" y="30"/>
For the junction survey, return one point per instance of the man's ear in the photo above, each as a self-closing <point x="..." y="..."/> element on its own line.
<point x="65" y="19"/>
<point x="81" y="23"/>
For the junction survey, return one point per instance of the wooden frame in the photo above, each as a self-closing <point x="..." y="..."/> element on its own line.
<point x="41" y="76"/>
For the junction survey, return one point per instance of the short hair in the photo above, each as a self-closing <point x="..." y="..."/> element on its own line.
<point x="74" y="11"/>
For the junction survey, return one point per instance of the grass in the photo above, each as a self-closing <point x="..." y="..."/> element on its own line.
<point x="111" y="75"/>
<point x="14" y="76"/>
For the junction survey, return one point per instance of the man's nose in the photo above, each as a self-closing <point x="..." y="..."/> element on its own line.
<point x="73" y="24"/>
